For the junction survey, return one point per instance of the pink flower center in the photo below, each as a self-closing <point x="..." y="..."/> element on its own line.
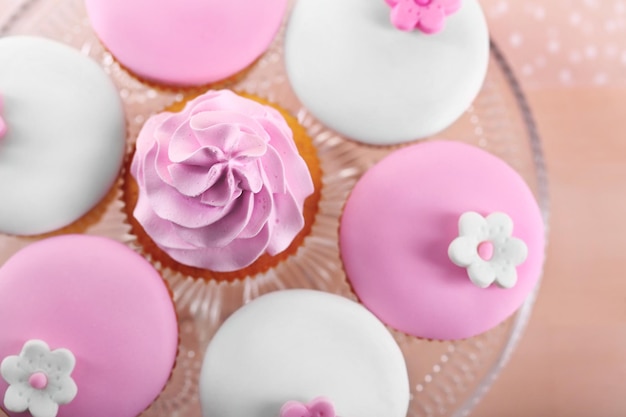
<point x="485" y="250"/>
<point x="38" y="380"/>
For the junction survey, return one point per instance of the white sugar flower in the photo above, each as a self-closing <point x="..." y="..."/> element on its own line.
<point x="485" y="247"/>
<point x="39" y="379"/>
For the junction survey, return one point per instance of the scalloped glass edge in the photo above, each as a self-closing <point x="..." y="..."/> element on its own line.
<point x="520" y="319"/>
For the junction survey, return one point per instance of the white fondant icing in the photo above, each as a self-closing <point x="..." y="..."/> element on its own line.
<point x="55" y="366"/>
<point x="508" y="251"/>
<point x="65" y="138"/>
<point x="298" y="345"/>
<point x="365" y="79"/>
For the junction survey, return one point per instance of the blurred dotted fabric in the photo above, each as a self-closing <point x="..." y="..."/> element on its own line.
<point x="560" y="43"/>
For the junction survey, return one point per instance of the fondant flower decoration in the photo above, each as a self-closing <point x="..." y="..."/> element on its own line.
<point x="426" y="15"/>
<point x="486" y="248"/>
<point x="39" y="379"/>
<point x="3" y="125"/>
<point x="319" y="407"/>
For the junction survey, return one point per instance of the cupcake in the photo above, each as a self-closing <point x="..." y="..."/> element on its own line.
<point x="220" y="189"/>
<point x="62" y="137"/>
<point x="442" y="240"/>
<point x="90" y="335"/>
<point x="185" y="43"/>
<point x="298" y="353"/>
<point x="384" y="73"/>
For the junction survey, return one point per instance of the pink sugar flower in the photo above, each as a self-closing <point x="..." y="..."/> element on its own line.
<point x="319" y="407"/>
<point x="426" y="15"/>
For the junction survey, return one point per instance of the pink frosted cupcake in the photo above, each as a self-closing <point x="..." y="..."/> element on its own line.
<point x="185" y="43"/>
<point x="442" y="240"/>
<point x="90" y="335"/>
<point x="223" y="188"/>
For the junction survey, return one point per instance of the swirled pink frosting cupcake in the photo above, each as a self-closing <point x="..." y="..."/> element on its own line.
<point x="220" y="183"/>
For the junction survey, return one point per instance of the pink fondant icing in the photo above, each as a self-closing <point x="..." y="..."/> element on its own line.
<point x="221" y="182"/>
<point x="104" y="303"/>
<point x="397" y="226"/>
<point x="186" y="42"/>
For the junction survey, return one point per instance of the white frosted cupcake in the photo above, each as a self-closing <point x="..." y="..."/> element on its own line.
<point x="303" y="353"/>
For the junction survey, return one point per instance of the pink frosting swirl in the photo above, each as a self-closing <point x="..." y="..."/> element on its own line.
<point x="220" y="182"/>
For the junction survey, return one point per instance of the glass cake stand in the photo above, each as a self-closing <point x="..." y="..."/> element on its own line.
<point x="447" y="378"/>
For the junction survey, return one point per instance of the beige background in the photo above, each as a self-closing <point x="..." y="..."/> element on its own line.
<point x="572" y="359"/>
<point x="570" y="56"/>
<point x="571" y="59"/>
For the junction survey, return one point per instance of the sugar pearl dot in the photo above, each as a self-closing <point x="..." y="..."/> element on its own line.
<point x="485" y="250"/>
<point x="38" y="380"/>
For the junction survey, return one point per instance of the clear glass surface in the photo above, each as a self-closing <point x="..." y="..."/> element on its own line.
<point x="447" y="378"/>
